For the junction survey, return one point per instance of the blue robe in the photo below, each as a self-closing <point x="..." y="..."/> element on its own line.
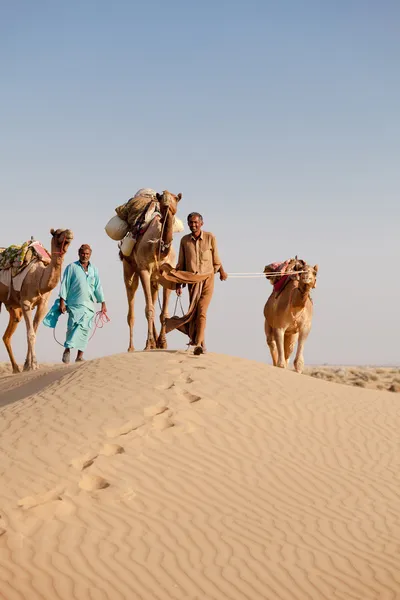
<point x="81" y="290"/>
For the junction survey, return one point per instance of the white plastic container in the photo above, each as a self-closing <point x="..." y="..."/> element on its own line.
<point x="116" y="228"/>
<point x="128" y="245"/>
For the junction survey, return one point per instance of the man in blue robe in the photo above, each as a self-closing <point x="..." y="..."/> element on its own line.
<point x="80" y="290"/>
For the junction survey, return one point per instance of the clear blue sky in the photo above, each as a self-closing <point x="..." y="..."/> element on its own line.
<point x="279" y="121"/>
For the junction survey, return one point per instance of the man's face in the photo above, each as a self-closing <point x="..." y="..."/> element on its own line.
<point x="84" y="256"/>
<point x="195" y="224"/>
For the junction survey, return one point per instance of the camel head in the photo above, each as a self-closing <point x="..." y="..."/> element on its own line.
<point x="62" y="238"/>
<point x="309" y="275"/>
<point x="168" y="201"/>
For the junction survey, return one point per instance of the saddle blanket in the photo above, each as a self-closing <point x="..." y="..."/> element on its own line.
<point x="17" y="261"/>
<point x="18" y="258"/>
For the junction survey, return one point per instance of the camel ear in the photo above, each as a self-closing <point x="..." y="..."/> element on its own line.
<point x="316" y="269"/>
<point x="52" y="231"/>
<point x="179" y="197"/>
<point x="159" y="196"/>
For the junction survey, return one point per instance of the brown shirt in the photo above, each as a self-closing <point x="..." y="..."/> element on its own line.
<point x="199" y="255"/>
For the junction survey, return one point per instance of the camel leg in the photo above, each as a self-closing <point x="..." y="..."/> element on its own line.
<point x="30" y="362"/>
<point x="15" y="315"/>
<point x="154" y="298"/>
<point x="40" y="314"/>
<point x="131" y="280"/>
<point x="289" y="344"/>
<point x="146" y="284"/>
<point x="299" y="360"/>
<point x="269" y="334"/>
<point x="162" y="340"/>
<point x="279" y="339"/>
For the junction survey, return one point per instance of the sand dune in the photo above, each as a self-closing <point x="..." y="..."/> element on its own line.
<point x="168" y="476"/>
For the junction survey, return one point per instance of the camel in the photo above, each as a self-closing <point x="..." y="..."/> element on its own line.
<point x="35" y="293"/>
<point x="153" y="249"/>
<point x="288" y="315"/>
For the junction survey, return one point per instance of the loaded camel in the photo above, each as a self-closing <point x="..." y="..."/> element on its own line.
<point x="288" y="313"/>
<point x="35" y="293"/>
<point x="153" y="249"/>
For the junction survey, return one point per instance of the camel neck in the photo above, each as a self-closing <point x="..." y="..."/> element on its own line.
<point x="300" y="296"/>
<point x="52" y="273"/>
<point x="167" y="232"/>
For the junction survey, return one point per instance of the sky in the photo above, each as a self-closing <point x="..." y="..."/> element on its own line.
<point x="278" y="121"/>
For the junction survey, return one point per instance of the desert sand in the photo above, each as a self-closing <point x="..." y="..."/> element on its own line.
<point x="164" y="476"/>
<point x="374" y="378"/>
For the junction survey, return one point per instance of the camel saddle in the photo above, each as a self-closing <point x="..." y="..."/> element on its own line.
<point x="140" y="210"/>
<point x="17" y="258"/>
<point x="280" y="281"/>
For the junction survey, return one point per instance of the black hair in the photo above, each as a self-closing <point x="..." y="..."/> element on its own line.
<point x="195" y="214"/>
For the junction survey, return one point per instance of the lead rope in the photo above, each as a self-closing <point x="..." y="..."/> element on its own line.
<point x="159" y="256"/>
<point x="262" y="275"/>
<point x="178" y="299"/>
<point x="100" y="320"/>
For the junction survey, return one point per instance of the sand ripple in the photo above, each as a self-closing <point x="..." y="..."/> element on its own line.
<point x="165" y="476"/>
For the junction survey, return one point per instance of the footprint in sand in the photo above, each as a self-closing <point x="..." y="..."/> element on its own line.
<point x="58" y="508"/>
<point x="163" y="421"/>
<point x="111" y="450"/>
<point x="90" y="483"/>
<point x="189" y="379"/>
<point x="31" y="501"/>
<point x="133" y="424"/>
<point x="190" y="397"/>
<point x="2" y="529"/>
<point x="83" y="462"/>
<point x="156" y="409"/>
<point x="165" y="386"/>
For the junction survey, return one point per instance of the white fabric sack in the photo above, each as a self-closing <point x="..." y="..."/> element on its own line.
<point x="177" y="226"/>
<point x="147" y="192"/>
<point x="116" y="228"/>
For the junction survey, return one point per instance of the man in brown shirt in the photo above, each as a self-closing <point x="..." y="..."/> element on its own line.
<point x="198" y="253"/>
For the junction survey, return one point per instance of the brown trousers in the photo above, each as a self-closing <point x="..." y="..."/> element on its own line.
<point x="201" y="309"/>
<point x="201" y="287"/>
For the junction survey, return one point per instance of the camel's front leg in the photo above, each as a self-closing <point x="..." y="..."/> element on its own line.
<point x="154" y="297"/>
<point x="146" y="284"/>
<point x="289" y="344"/>
<point x="162" y="340"/>
<point x="131" y="280"/>
<point x="279" y="338"/>
<point x="15" y="315"/>
<point x="269" y="334"/>
<point x="299" y="360"/>
<point x="30" y="362"/>
<point x="40" y="314"/>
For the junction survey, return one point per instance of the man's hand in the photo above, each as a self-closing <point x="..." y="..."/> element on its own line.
<point x="63" y="307"/>
<point x="103" y="308"/>
<point x="178" y="289"/>
<point x="223" y="275"/>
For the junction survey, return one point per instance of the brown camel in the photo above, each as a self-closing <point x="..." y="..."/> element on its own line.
<point x="288" y="314"/>
<point x="152" y="249"/>
<point x="35" y="293"/>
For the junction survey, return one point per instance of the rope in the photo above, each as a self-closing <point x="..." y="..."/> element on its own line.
<point x="159" y="254"/>
<point x="100" y="320"/>
<point x="266" y="274"/>
<point x="178" y="298"/>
